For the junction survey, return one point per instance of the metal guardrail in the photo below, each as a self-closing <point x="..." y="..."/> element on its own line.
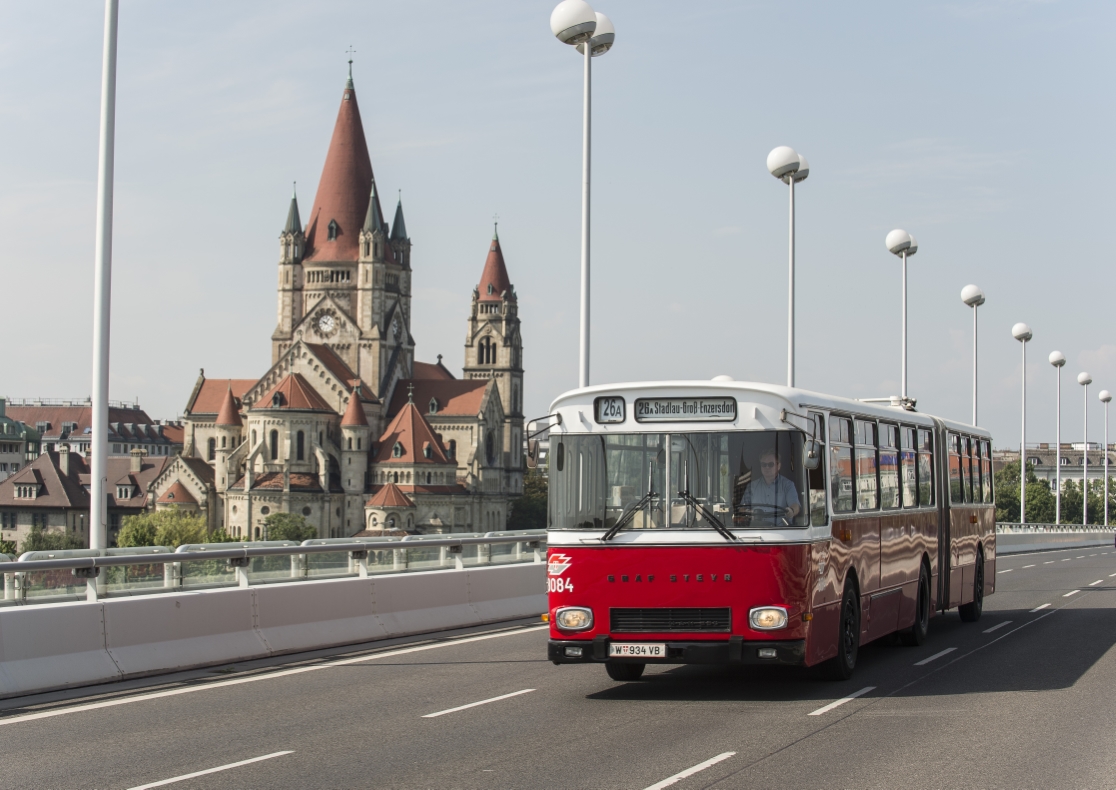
<point x="1009" y="528"/>
<point x="248" y="562"/>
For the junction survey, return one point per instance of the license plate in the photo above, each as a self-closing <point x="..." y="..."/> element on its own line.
<point x="640" y="650"/>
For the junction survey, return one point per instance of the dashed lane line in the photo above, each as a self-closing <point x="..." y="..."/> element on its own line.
<point x="1094" y="584"/>
<point x="678" y="777"/>
<point x="1028" y="566"/>
<point x="475" y="704"/>
<point x="1009" y="570"/>
<point x="840" y="702"/>
<point x="934" y="657"/>
<point x="1071" y="592"/>
<point x="1039" y="608"/>
<point x="184" y="777"/>
<point x="997" y="626"/>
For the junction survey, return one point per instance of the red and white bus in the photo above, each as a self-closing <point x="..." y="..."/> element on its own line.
<point x="711" y="522"/>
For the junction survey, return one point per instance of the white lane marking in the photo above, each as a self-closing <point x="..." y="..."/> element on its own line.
<point x="1028" y="566"/>
<point x="997" y="626"/>
<point x="1080" y="558"/>
<point x="1040" y="608"/>
<point x="1111" y="575"/>
<point x="1094" y="584"/>
<point x="678" y="777"/>
<point x="184" y="777"/>
<point x="934" y="657"/>
<point x="1067" y="559"/>
<point x="46" y="714"/>
<point x="1049" y="562"/>
<point x="1092" y="555"/>
<point x="1009" y="570"/>
<point x="1071" y="592"/>
<point x="842" y="701"/>
<point x="474" y="704"/>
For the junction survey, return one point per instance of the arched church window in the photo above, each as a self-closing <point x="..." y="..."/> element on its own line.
<point x="452" y="448"/>
<point x="224" y="440"/>
<point x="300" y="446"/>
<point x="490" y="449"/>
<point x="433" y="405"/>
<point x="333" y="230"/>
<point x="397" y="450"/>
<point x="396" y="480"/>
<point x="274" y="445"/>
<point x="428" y="478"/>
<point x="212" y="449"/>
<point x="427" y="451"/>
<point x="490" y="289"/>
<point x="253" y="437"/>
<point x="350" y="442"/>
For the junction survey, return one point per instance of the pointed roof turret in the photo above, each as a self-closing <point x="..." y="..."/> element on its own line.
<point x="373" y="218"/>
<point x="398" y="226"/>
<point x="229" y="416"/>
<point x="354" y="414"/>
<point x="293" y="392"/>
<point x="294" y="222"/>
<point x="416" y="440"/>
<point x="494" y="280"/>
<point x="343" y="190"/>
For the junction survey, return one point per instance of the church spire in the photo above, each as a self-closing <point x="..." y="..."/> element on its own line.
<point x="294" y="222"/>
<point x="373" y="219"/>
<point x="494" y="283"/>
<point x="398" y="226"/>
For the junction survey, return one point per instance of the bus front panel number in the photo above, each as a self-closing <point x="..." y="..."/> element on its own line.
<point x="610" y="410"/>
<point x="559" y="585"/>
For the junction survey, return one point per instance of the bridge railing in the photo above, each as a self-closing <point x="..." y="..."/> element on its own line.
<point x="1009" y="528"/>
<point x="57" y="576"/>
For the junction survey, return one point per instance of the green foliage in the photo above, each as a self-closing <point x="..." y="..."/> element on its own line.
<point x="529" y="511"/>
<point x="1041" y="505"/>
<point x="8" y="547"/>
<point x="288" y="526"/>
<point x="37" y="540"/>
<point x="171" y="528"/>
<point x="221" y="536"/>
<point x="1072" y="501"/>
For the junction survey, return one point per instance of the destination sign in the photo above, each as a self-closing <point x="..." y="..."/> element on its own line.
<point x="685" y="409"/>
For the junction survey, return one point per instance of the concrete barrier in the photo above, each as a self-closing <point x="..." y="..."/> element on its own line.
<point x="1021" y="542"/>
<point x="52" y="646"/>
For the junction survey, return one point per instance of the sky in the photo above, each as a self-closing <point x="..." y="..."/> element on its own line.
<point x="982" y="127"/>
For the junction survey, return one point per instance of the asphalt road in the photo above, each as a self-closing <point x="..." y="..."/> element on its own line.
<point x="1024" y="698"/>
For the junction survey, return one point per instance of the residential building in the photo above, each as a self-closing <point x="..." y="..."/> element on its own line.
<point x="19" y="445"/>
<point x="70" y="423"/>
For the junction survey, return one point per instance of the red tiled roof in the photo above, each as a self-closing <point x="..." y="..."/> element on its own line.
<point x="389" y="496"/>
<point x="212" y="394"/>
<point x="82" y="415"/>
<point x="354" y="412"/>
<point x="496" y="275"/>
<point x="175" y="434"/>
<point x="229" y="415"/>
<point x="341" y="371"/>
<point x="177" y="494"/>
<point x="295" y="393"/>
<point x="68" y="491"/>
<point x="460" y="397"/>
<point x="414" y="433"/>
<point x="344" y="189"/>
<point x="273" y="481"/>
<point x="424" y="370"/>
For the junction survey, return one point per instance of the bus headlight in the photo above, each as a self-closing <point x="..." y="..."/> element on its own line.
<point x="573" y="618"/>
<point x="768" y="618"/>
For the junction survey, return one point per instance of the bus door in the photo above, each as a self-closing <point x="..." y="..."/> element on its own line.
<point x="945" y="545"/>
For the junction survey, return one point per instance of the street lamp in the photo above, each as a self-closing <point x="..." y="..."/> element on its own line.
<point x="903" y="244"/>
<point x="974" y="298"/>
<point x="1022" y="333"/>
<point x="575" y="22"/>
<point x="1105" y="396"/>
<point x="1058" y="359"/>
<point x="1084" y="379"/>
<point x="790" y="167"/>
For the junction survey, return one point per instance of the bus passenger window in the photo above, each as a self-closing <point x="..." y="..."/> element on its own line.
<point x="867" y="486"/>
<point x="975" y="461"/>
<point x="889" y="466"/>
<point x="925" y="468"/>
<point x="907" y="459"/>
<point x="818" y="514"/>
<point x="841" y="465"/>
<point x="966" y="469"/>
<point x="956" y="483"/>
<point x="986" y="471"/>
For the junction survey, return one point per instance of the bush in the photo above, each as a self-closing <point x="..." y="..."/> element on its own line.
<point x="529" y="510"/>
<point x="288" y="526"/>
<point x="7" y="547"/>
<point x="171" y="528"/>
<point x="37" y="540"/>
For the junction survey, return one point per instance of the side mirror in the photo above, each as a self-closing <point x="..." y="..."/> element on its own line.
<point x="812" y="455"/>
<point x="532" y="453"/>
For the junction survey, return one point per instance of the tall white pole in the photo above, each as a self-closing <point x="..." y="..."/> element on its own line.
<point x="1085" y="465"/>
<point x="904" y="383"/>
<point x="102" y="289"/>
<point x="1023" y="447"/>
<point x="1058" y="456"/>
<point x="790" y="294"/>
<point x="1106" y="463"/>
<point x="583" y="377"/>
<point x="975" y="364"/>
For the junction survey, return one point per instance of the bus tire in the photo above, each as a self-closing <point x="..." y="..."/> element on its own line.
<point x="916" y="634"/>
<point x="624" y="671"/>
<point x="842" y="665"/>
<point x="970" y="612"/>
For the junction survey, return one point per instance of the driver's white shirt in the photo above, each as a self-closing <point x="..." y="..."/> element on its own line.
<point x="781" y="493"/>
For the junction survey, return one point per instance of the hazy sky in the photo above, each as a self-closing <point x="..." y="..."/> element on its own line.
<point x="983" y="127"/>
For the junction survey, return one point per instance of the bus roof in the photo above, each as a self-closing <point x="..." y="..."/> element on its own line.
<point x="577" y="405"/>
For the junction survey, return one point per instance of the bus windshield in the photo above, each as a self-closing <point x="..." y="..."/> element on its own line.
<point x="745" y="479"/>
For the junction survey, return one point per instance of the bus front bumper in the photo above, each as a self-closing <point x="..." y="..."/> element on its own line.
<point x="733" y="651"/>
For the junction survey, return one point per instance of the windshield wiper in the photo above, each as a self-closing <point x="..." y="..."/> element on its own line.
<point x="628" y="515"/>
<point x="708" y="515"/>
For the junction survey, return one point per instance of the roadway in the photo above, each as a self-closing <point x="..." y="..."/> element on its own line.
<point x="1021" y="699"/>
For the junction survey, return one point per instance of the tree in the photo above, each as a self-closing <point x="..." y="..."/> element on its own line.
<point x="171" y="528"/>
<point x="8" y="547"/>
<point x="288" y="526"/>
<point x="37" y="540"/>
<point x="1040" y="499"/>
<point x="529" y="511"/>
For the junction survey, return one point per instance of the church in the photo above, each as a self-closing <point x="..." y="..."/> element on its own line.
<point x="346" y="427"/>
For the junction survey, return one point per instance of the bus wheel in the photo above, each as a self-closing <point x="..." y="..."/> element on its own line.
<point x="970" y="612"/>
<point x="623" y="671"/>
<point x="848" y="636"/>
<point x="916" y="634"/>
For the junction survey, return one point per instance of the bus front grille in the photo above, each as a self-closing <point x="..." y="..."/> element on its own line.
<point x="657" y="621"/>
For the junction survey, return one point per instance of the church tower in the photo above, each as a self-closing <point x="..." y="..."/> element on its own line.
<point x="494" y="350"/>
<point x="292" y="243"/>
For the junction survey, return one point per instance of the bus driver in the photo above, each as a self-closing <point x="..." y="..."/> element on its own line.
<point x="765" y="497"/>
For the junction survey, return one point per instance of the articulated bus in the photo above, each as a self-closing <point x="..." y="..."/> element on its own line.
<point x="710" y="522"/>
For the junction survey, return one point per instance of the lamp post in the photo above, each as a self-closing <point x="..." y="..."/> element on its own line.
<point x="974" y="298"/>
<point x="1022" y="333"/>
<point x="903" y="244"/>
<point x="790" y="167"/>
<point x="575" y="22"/>
<point x="1058" y="359"/>
<point x="1105" y="396"/>
<point x="1084" y="379"/>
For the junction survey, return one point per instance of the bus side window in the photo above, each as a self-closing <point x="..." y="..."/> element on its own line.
<point x="818" y="514"/>
<point x="956" y="495"/>
<point x="841" y="465"/>
<point x="908" y="480"/>
<point x="925" y="468"/>
<point x="889" y="466"/>
<point x="986" y="470"/>
<point x="867" y="485"/>
<point x="977" y="496"/>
